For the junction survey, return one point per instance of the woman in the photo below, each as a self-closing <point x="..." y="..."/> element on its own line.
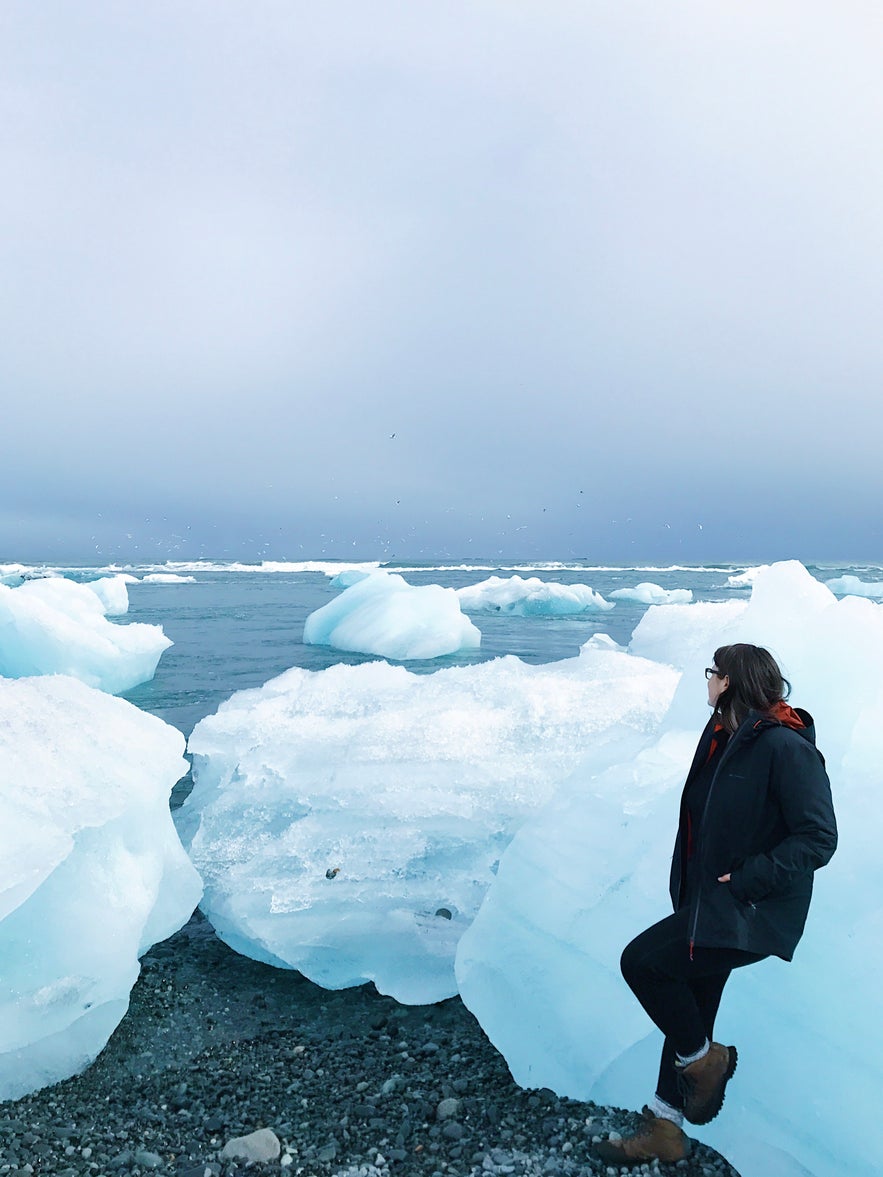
<point x="756" y="820"/>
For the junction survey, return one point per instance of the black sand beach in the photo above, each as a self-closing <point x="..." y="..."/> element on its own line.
<point x="216" y="1046"/>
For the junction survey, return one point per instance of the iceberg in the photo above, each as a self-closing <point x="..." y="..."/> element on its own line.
<point x="167" y="578"/>
<point x="539" y="966"/>
<point x="55" y="626"/>
<point x="647" y="593"/>
<point x="531" y="597"/>
<point x="91" y="869"/>
<point x="747" y="578"/>
<point x="348" y="822"/>
<point x="383" y="614"/>
<point x="852" y="586"/>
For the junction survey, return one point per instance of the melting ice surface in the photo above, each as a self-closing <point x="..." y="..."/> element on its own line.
<point x="56" y="626"/>
<point x="530" y="597"/>
<point x="539" y="965"/>
<point x="335" y="813"/>
<point x="382" y="614"/>
<point x="91" y="869"/>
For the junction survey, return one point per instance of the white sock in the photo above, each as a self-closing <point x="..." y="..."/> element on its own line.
<point x="684" y="1060"/>
<point x="664" y="1111"/>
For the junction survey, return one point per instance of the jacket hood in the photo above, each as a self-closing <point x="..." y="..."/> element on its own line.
<point x="790" y="716"/>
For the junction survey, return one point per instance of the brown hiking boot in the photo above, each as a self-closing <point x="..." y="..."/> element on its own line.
<point x="655" y="1139"/>
<point x="703" y="1083"/>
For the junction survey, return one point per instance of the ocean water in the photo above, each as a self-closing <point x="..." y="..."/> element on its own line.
<point x="234" y="626"/>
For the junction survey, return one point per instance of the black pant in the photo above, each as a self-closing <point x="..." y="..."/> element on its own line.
<point x="680" y="995"/>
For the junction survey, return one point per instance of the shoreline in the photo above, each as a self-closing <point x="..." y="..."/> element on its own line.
<point x="215" y="1046"/>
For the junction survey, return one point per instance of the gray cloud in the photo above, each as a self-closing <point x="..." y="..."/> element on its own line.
<point x="607" y="273"/>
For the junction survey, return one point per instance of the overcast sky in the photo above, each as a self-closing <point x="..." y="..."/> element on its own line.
<point x="438" y="278"/>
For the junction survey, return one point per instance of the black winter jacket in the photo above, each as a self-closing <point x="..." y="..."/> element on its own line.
<point x="768" y="822"/>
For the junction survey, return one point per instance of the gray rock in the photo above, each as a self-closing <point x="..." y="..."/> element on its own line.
<point x="262" y="1145"/>
<point x="147" y="1159"/>
<point x="447" y="1109"/>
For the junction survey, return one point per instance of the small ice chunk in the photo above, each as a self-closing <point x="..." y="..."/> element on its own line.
<point x="530" y="597"/>
<point x="647" y="593"/>
<point x="55" y="626"/>
<point x="112" y="593"/>
<point x="383" y="614"/>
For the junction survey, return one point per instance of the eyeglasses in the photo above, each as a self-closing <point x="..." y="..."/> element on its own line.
<point x="712" y="672"/>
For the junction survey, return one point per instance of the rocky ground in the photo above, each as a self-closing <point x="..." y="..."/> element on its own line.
<point x="351" y="1084"/>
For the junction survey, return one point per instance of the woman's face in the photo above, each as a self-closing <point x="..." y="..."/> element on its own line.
<point x="717" y="684"/>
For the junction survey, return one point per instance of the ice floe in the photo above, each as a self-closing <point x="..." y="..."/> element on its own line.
<point x="383" y="614"/>
<point x="56" y="626"/>
<point x="852" y="586"/>
<point x="530" y="597"/>
<point x="647" y="593"/>
<point x="166" y="578"/>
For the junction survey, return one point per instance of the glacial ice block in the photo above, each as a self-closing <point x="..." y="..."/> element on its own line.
<point x="91" y="869"/>
<point x="539" y="967"/>
<point x="55" y="626"/>
<point x="383" y="614"/>
<point x="531" y="597"/>
<point x="348" y="822"/>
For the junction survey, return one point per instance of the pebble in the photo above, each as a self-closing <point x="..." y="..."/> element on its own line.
<point x="147" y="1159"/>
<point x="447" y="1108"/>
<point x="260" y="1145"/>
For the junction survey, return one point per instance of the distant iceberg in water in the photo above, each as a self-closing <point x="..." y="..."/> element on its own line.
<point x="166" y="578"/>
<point x="647" y="593"/>
<point x="852" y="586"/>
<point x="530" y="597"/>
<point x="55" y="626"/>
<point x="382" y="614"/>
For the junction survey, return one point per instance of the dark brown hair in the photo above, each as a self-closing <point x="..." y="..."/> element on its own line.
<point x="756" y="683"/>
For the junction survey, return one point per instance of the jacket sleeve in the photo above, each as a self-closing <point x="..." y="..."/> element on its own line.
<point x="800" y="784"/>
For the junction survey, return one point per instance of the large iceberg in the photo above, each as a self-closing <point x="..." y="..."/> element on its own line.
<point x="530" y="597"/>
<point x="383" y="614"/>
<point x="91" y="869"/>
<point x="539" y="967"/>
<point x="348" y="822"/>
<point x="56" y="626"/>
